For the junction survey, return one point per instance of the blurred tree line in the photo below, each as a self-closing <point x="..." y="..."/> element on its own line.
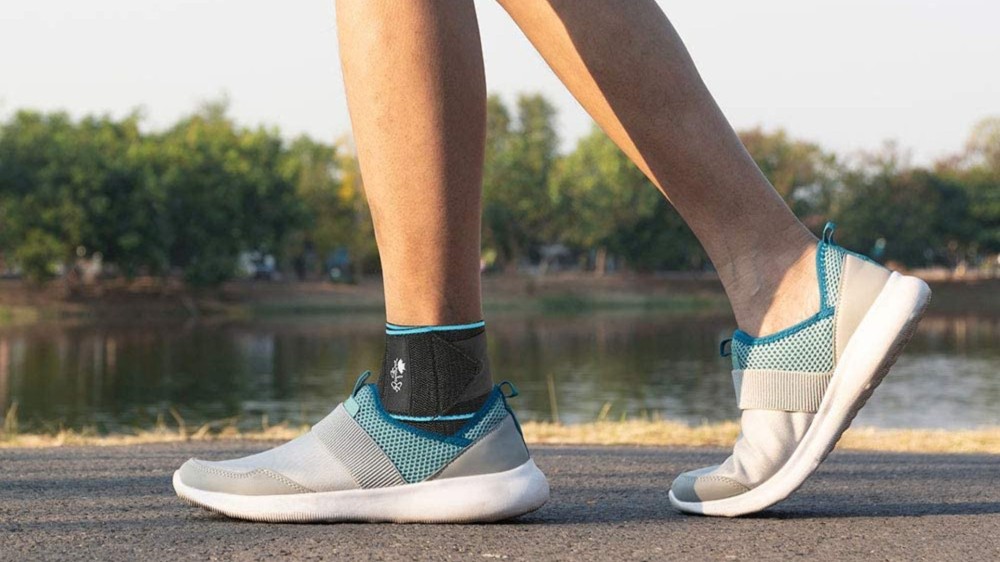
<point x="192" y="199"/>
<point x="189" y="200"/>
<point x="597" y="205"/>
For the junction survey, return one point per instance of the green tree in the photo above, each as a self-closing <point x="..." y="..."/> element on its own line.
<point x="600" y="196"/>
<point x="800" y="171"/>
<point x="920" y="216"/>
<point x="360" y="238"/>
<point x="66" y="185"/>
<point x="328" y="182"/>
<point x="312" y="168"/>
<point x="977" y="171"/>
<point x="225" y="194"/>
<point x="604" y="203"/>
<point x="982" y="189"/>
<point x="192" y="198"/>
<point x="122" y="213"/>
<point x="520" y="153"/>
<point x="40" y="225"/>
<point x="983" y="146"/>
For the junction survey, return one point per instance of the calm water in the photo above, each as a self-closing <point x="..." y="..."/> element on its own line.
<point x="122" y="376"/>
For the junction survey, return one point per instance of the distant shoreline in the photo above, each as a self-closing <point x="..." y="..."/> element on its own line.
<point x="149" y="300"/>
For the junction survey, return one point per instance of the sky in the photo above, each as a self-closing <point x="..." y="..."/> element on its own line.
<point x="848" y="74"/>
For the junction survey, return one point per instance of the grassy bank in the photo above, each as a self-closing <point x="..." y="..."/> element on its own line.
<point x="151" y="300"/>
<point x="629" y="432"/>
<point x="675" y="434"/>
<point x="565" y="293"/>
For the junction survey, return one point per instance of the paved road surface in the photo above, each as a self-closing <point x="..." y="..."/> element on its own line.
<point x="607" y="504"/>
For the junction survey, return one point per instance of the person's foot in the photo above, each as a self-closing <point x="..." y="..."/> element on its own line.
<point x="362" y="464"/>
<point x="800" y="388"/>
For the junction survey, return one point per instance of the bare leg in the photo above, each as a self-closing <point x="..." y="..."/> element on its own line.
<point x="625" y="63"/>
<point x="416" y="90"/>
<point x="627" y="66"/>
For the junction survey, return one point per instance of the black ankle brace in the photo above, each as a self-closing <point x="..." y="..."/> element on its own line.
<point x="435" y="377"/>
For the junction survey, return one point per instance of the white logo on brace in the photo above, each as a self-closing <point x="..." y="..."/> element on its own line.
<point x="398" y="367"/>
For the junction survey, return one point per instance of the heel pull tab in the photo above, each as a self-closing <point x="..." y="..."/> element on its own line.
<point x="828" y="232"/>
<point x="511" y="388"/>
<point x="511" y="393"/>
<point x="723" y="351"/>
<point x="360" y="382"/>
<point x="351" y="405"/>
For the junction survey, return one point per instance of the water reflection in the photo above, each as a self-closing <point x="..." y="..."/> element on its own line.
<point x="116" y="376"/>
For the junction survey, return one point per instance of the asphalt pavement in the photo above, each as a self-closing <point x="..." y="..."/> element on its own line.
<point x="608" y="503"/>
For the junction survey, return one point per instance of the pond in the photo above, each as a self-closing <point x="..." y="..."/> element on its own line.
<point x="122" y="376"/>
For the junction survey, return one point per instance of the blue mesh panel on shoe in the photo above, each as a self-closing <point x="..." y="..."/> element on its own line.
<point x="495" y="415"/>
<point x="833" y="267"/>
<point x="416" y="455"/>
<point x="807" y="349"/>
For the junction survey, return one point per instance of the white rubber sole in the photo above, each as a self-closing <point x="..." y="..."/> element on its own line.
<point x="872" y="350"/>
<point x="467" y="499"/>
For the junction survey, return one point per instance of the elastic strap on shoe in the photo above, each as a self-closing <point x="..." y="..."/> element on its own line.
<point x="788" y="391"/>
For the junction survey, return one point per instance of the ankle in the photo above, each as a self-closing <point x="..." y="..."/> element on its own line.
<point x="778" y="291"/>
<point x="432" y="372"/>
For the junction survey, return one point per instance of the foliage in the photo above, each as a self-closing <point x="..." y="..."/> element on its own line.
<point x="224" y="194"/>
<point x="520" y="153"/>
<point x="604" y="201"/>
<point x="66" y="185"/>
<point x="801" y="172"/>
<point x="191" y="199"/>
<point x="977" y="171"/>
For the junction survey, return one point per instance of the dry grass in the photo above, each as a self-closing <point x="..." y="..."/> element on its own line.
<point x="675" y="434"/>
<point x="17" y="315"/>
<point x="628" y="432"/>
<point x="161" y="432"/>
<point x="69" y="437"/>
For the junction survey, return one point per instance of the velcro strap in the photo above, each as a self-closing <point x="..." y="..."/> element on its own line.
<point x="788" y="391"/>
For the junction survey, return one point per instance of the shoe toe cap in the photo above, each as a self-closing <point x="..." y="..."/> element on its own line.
<point x="215" y="477"/>
<point x="703" y="485"/>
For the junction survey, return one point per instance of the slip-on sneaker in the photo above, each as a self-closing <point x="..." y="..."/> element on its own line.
<point x="361" y="464"/>
<point x="799" y="389"/>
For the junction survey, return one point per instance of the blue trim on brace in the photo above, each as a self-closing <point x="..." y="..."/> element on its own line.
<point x="432" y="418"/>
<point x="396" y="330"/>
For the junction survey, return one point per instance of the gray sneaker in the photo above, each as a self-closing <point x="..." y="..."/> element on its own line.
<point x="800" y="388"/>
<point x="361" y="464"/>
